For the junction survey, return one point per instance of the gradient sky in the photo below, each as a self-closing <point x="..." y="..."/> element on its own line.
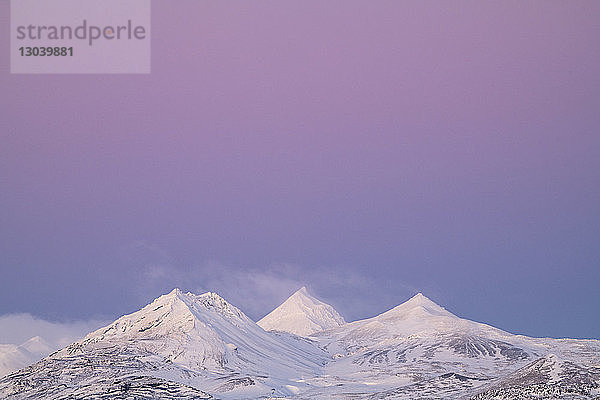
<point x="368" y="150"/>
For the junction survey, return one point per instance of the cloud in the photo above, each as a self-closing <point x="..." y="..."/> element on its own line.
<point x="151" y="271"/>
<point x="257" y="291"/>
<point x="18" y="328"/>
<point x="354" y="291"/>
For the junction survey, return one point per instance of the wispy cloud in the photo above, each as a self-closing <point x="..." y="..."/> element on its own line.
<point x="257" y="290"/>
<point x="18" y="328"/>
<point x="151" y="271"/>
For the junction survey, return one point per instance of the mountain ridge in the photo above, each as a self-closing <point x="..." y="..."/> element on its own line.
<point x="184" y="345"/>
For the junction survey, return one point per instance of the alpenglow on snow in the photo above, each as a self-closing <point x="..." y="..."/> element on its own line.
<point x="303" y="315"/>
<point x="188" y="346"/>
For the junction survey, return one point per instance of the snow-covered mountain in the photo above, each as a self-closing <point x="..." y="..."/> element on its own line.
<point x="546" y="377"/>
<point x="420" y="350"/>
<point x="302" y="314"/>
<point x="13" y="358"/>
<point x="187" y="346"/>
<point x="181" y="343"/>
<point x="200" y="332"/>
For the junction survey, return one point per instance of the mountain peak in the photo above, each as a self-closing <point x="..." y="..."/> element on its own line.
<point x="175" y="314"/>
<point x="419" y="298"/>
<point x="189" y="301"/>
<point x="302" y="293"/>
<point x="37" y="346"/>
<point x="302" y="314"/>
<point x="173" y="293"/>
<point x="302" y="290"/>
<point x="417" y="306"/>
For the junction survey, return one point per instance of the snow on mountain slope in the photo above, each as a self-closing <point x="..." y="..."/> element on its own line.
<point x="187" y="346"/>
<point x="420" y="350"/>
<point x="417" y="317"/>
<point x="13" y="358"/>
<point x="549" y="376"/>
<point x="201" y="332"/>
<point x="38" y="347"/>
<point x="303" y="315"/>
<point x="185" y="341"/>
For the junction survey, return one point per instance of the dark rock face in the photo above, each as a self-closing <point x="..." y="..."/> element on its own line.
<point x="138" y="387"/>
<point x="460" y="377"/>
<point x="546" y="378"/>
<point x="108" y="373"/>
<point x="127" y="387"/>
<point x="475" y="346"/>
<point x="234" y="383"/>
<point x="462" y="345"/>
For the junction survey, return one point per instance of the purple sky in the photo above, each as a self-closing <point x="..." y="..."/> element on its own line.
<point x="369" y="150"/>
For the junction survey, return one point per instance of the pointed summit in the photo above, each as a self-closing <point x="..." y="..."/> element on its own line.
<point x="417" y="306"/>
<point x="38" y="346"/>
<point x="303" y="291"/>
<point x="173" y="293"/>
<point x="303" y="315"/>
